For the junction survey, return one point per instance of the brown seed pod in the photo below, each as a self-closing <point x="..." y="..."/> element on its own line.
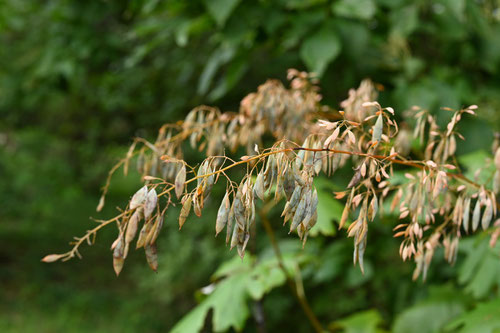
<point x="151" y="256"/>
<point x="180" y="179"/>
<point x="186" y="208"/>
<point x="223" y="214"/>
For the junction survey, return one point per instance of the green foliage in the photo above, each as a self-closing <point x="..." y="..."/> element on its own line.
<point x="236" y="281"/>
<point x="362" y="322"/>
<point x="484" y="318"/>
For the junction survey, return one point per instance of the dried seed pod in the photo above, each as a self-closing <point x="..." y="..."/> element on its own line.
<point x="289" y="182"/>
<point x="186" y="208"/>
<point x="331" y="138"/>
<point x="496" y="182"/>
<point x="230" y="220"/>
<point x="476" y="215"/>
<point x="197" y="204"/>
<point x="355" y="179"/>
<point x="150" y="204"/>
<point x="377" y="129"/>
<point x="118" y="255"/>
<point x="222" y="214"/>
<point x="373" y="208"/>
<point x="139" y="197"/>
<point x="180" y="180"/>
<point x="52" y="257"/>
<point x="301" y="209"/>
<point x="132" y="225"/>
<point x="345" y="215"/>
<point x="294" y="200"/>
<point x="259" y="186"/>
<point x="151" y="256"/>
<point x="487" y="215"/>
<point x="146" y="228"/>
<point x="155" y="230"/>
<point x="466" y="214"/>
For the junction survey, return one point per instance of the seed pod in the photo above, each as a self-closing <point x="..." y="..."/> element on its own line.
<point x="52" y="257"/>
<point x="155" y="230"/>
<point x="222" y="214"/>
<point x="139" y="197"/>
<point x="331" y="138"/>
<point x="359" y="247"/>
<point x="301" y="210"/>
<point x="476" y="215"/>
<point x="150" y="204"/>
<point x="197" y="204"/>
<point x="132" y="225"/>
<point x="289" y="182"/>
<point x="180" y="180"/>
<point x="345" y="215"/>
<point x="377" y="129"/>
<point x="466" y="214"/>
<point x="259" y="186"/>
<point x="487" y="215"/>
<point x="186" y="208"/>
<point x="146" y="228"/>
<point x="151" y="256"/>
<point x="373" y="208"/>
<point x="235" y="237"/>
<point x="294" y="200"/>
<point x="229" y="227"/>
<point x="118" y="258"/>
<point x="355" y="179"/>
<point x="496" y="182"/>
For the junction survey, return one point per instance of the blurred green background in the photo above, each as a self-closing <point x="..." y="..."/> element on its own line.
<point x="80" y="79"/>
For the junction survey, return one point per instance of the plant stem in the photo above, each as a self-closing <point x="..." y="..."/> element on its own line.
<point x="301" y="298"/>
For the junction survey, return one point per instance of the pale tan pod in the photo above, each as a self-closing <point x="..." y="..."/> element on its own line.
<point x="132" y="225"/>
<point x="139" y="197"/>
<point x="118" y="259"/>
<point x="345" y="215"/>
<point x="186" y="208"/>
<point x="377" y="129"/>
<point x="487" y="215"/>
<point x="180" y="180"/>
<point x="150" y="204"/>
<point x="476" y="215"/>
<point x="466" y="214"/>
<point x="151" y="256"/>
<point x="222" y="214"/>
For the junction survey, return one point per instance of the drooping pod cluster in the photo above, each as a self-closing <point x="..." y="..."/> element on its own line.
<point x="141" y="208"/>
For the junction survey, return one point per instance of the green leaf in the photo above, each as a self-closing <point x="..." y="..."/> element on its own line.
<point x="193" y="321"/>
<point x="239" y="280"/>
<point x="320" y="49"/>
<point x="480" y="271"/>
<point x="234" y="73"/>
<point x="329" y="209"/>
<point x="476" y="161"/>
<point x="219" y="57"/>
<point x="361" y="322"/>
<point x="358" y="9"/>
<point x="220" y="10"/>
<point x="431" y="315"/>
<point x="485" y="318"/>
<point x="404" y="20"/>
